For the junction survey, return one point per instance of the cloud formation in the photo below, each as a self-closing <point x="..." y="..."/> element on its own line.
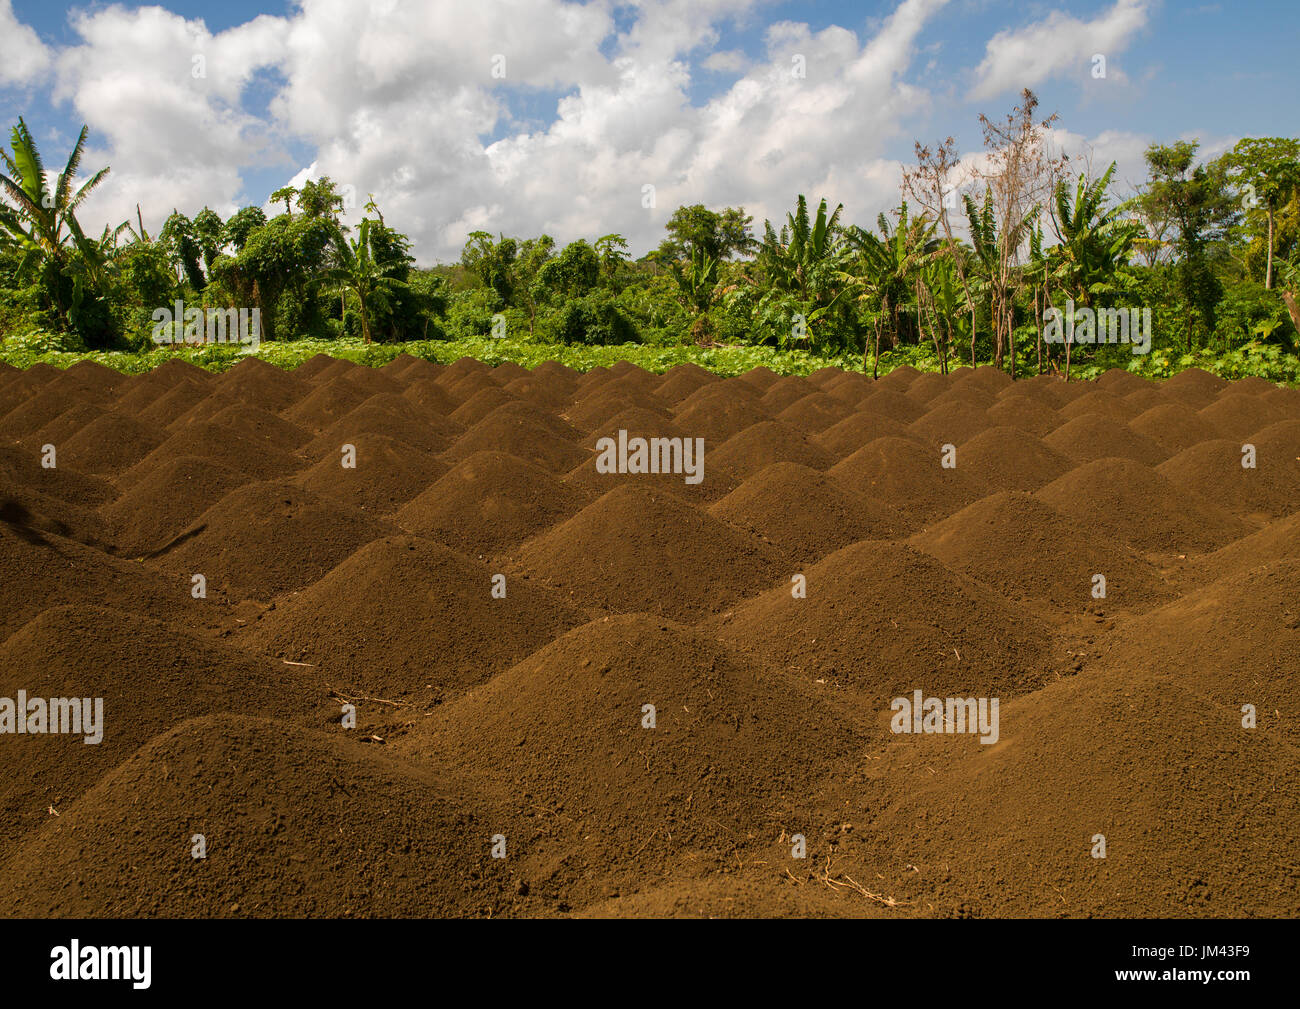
<point x="1057" y="46"/>
<point x="520" y="116"/>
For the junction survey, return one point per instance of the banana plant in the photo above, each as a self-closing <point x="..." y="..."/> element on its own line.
<point x="885" y="268"/>
<point x="802" y="265"/>
<point x="40" y="221"/>
<point x="697" y="286"/>
<point x="356" y="271"/>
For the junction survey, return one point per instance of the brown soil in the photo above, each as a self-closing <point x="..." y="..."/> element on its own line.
<point x="267" y="538"/>
<point x="882" y="619"/>
<point x="408" y="619"/>
<point x="1173" y="427"/>
<point x="565" y="727"/>
<point x="1029" y="551"/>
<point x="816" y="412"/>
<point x="490" y="502"/>
<point x="1095" y="436"/>
<point x="637" y="550"/>
<point x="1007" y="458"/>
<point x="850" y="434"/>
<point x="1213" y="469"/>
<point x="388" y="473"/>
<point x="150" y="677"/>
<point x="804" y="513"/>
<point x="760" y="445"/>
<point x="950" y="423"/>
<point x="165" y="501"/>
<point x="907" y="475"/>
<point x="523" y="716"/>
<point x="1134" y="504"/>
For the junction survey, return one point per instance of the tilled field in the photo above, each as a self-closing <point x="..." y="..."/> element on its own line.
<point x="356" y="632"/>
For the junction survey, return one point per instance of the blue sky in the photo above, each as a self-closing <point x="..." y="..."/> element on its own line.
<point x="599" y="100"/>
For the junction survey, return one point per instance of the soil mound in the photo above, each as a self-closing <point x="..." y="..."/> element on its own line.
<point x="985" y="378"/>
<point x="721" y="417"/>
<point x="520" y="436"/>
<point x="567" y="724"/>
<point x="1275" y="542"/>
<point x="1146" y="399"/>
<point x="388" y="415"/>
<point x="1131" y="503"/>
<point x="805" y="514"/>
<point x="464" y="388"/>
<point x="1007" y="458"/>
<point x="161" y="505"/>
<point x="270" y="537"/>
<point x="723" y="392"/>
<point x="1029" y="413"/>
<point x="1091" y="437"/>
<point x="480" y="405"/>
<point x="787" y="392"/>
<point x="261" y="426"/>
<point x="66" y="425"/>
<point x="490" y="502"/>
<point x="893" y="404"/>
<point x="621" y="551"/>
<point x="964" y="394"/>
<point x="508" y="371"/>
<point x="550" y="395"/>
<point x="33" y="413"/>
<point x="1100" y="403"/>
<point x="557" y="372"/>
<point x="815" y="413"/>
<point x="1214" y="470"/>
<point x="1027" y="550"/>
<point x="1238" y="415"/>
<point x="907" y="476"/>
<point x="73" y="574"/>
<point x="313" y="366"/>
<point x="951" y="423"/>
<point x="408" y="619"/>
<point x="150" y="677"/>
<point x="993" y="822"/>
<point x="850" y="388"/>
<point x="898" y="379"/>
<point x="765" y="443"/>
<point x="638" y="422"/>
<point x="682" y="380"/>
<point x="229" y="448"/>
<point x="88" y="381"/>
<point x="1286" y="400"/>
<point x="850" y="434"/>
<point x="885" y="619"/>
<point x="1119" y="382"/>
<point x="926" y="386"/>
<point x="174" y="404"/>
<point x="22" y="468"/>
<point x="716" y="481"/>
<point x="419" y="370"/>
<point x="388" y="473"/>
<point x="1173" y="426"/>
<point x="761" y="378"/>
<point x="429" y="395"/>
<point x="596" y="411"/>
<point x="330" y="401"/>
<point x="314" y="825"/>
<point x="371" y="381"/>
<point x="265" y="385"/>
<point x="1194" y="387"/>
<point x="34" y="513"/>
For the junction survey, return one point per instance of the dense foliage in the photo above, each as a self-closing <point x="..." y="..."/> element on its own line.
<point x="967" y="269"/>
